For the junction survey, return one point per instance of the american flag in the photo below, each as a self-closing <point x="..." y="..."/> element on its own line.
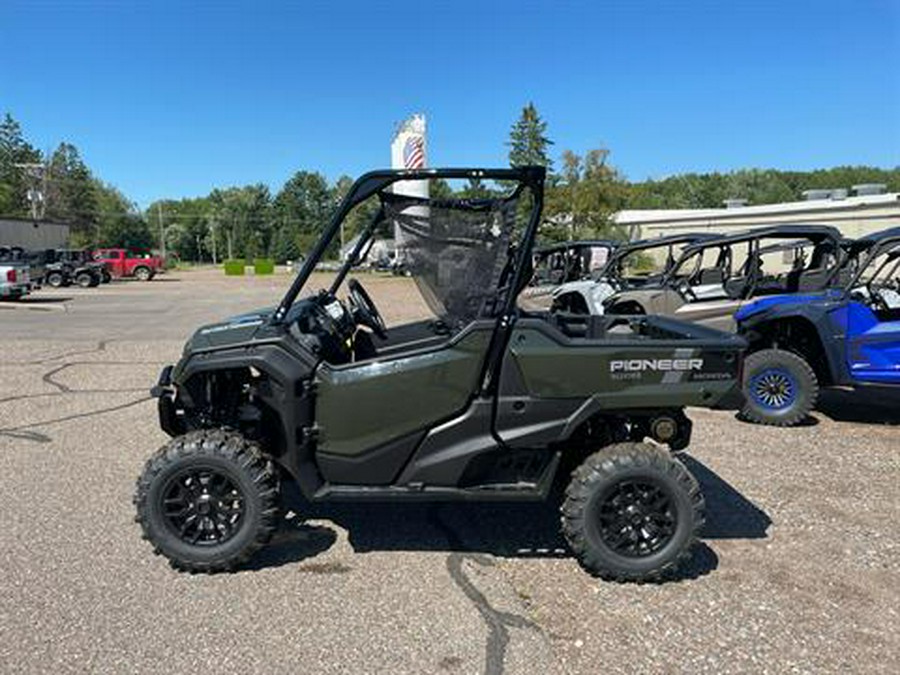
<point x="414" y="153"/>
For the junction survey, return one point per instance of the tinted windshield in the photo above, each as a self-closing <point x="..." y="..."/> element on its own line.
<point x="457" y="250"/>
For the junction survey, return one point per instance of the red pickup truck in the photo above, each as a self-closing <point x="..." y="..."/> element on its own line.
<point x="124" y="263"/>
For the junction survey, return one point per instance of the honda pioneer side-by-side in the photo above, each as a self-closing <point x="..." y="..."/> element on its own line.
<point x="846" y="335"/>
<point x="633" y="265"/>
<point x="562" y="263"/>
<point x="498" y="402"/>
<point x="713" y="278"/>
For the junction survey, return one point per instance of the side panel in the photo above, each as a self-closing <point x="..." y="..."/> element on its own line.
<point x="363" y="407"/>
<point x="623" y="373"/>
<point x="718" y="314"/>
<point x="873" y="346"/>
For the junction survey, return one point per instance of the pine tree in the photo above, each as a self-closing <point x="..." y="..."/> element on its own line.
<point x="528" y="142"/>
<point x="14" y="149"/>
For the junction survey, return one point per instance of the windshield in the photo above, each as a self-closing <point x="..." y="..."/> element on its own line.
<point x="464" y="247"/>
<point x="458" y="251"/>
<point x="883" y="269"/>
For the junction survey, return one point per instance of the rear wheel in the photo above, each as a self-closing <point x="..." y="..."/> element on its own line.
<point x="85" y="279"/>
<point x="143" y="273"/>
<point x="632" y="513"/>
<point x="780" y="388"/>
<point x="207" y="500"/>
<point x="56" y="279"/>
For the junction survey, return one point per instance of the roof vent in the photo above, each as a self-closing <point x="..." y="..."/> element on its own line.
<point x="815" y="195"/>
<point x="735" y="203"/>
<point x="870" y="189"/>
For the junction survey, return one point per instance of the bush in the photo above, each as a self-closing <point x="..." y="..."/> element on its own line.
<point x="233" y="267"/>
<point x="263" y="266"/>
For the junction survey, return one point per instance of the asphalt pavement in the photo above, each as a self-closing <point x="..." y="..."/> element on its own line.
<point x="797" y="570"/>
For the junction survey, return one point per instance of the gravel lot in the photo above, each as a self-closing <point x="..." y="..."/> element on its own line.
<point x="797" y="572"/>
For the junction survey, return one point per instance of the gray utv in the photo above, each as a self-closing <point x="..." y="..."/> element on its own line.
<point x="634" y="265"/>
<point x="714" y="278"/>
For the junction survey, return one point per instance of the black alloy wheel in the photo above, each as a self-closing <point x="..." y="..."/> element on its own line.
<point x="202" y="506"/>
<point x="636" y="518"/>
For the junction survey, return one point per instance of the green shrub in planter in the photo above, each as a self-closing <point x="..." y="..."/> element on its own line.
<point x="263" y="266"/>
<point x="234" y="267"/>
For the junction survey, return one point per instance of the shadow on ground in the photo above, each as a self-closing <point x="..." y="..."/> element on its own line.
<point x="870" y="405"/>
<point x="509" y="530"/>
<point x="34" y="302"/>
<point x="44" y="300"/>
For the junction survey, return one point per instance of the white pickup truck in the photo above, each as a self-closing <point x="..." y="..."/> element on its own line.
<point x="15" y="281"/>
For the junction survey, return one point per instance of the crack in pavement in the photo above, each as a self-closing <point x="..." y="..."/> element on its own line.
<point x="14" y="432"/>
<point x="101" y="347"/>
<point x="24" y="364"/>
<point x="48" y="379"/>
<point x="51" y="394"/>
<point x="26" y="431"/>
<point x="497" y="622"/>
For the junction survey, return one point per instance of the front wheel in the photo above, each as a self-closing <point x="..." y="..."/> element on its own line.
<point x="207" y="500"/>
<point x="632" y="513"/>
<point x="780" y="388"/>
<point x="143" y="273"/>
<point x="55" y="279"/>
<point x="85" y="279"/>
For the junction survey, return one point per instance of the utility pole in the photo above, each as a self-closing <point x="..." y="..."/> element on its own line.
<point x="36" y="174"/>
<point x="162" y="232"/>
<point x="212" y="227"/>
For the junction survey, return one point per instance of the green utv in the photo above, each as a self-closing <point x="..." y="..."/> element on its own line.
<point x="484" y="401"/>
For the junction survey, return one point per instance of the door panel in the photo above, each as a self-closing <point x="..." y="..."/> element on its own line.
<point x="717" y="314"/>
<point x="364" y="406"/>
<point x="873" y="346"/>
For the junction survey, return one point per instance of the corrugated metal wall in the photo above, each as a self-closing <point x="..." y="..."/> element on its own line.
<point x="33" y="235"/>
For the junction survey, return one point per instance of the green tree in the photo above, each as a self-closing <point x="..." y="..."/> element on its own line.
<point x="186" y="226"/>
<point x="14" y="149"/>
<point x="581" y="203"/>
<point x="244" y="216"/>
<point x="71" y="195"/>
<point x="302" y="210"/>
<point x="528" y="142"/>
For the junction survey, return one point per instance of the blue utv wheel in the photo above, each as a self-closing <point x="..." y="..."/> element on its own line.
<point x="773" y="389"/>
<point x="780" y="388"/>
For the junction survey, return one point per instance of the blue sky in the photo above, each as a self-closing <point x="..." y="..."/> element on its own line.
<point x="173" y="99"/>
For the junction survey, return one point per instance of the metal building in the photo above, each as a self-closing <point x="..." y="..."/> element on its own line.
<point x="870" y="209"/>
<point x="33" y="235"/>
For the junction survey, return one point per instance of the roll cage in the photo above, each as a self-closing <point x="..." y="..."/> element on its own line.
<point x="378" y="182"/>
<point x="612" y="266"/>
<point x="868" y="249"/>
<point x="794" y="236"/>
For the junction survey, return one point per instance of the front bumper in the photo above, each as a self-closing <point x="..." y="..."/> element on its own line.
<point x="164" y="390"/>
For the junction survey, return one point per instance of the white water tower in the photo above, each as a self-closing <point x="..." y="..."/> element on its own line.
<point x="409" y="151"/>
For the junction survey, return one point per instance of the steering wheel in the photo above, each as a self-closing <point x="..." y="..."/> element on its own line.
<point x="364" y="310"/>
<point x="685" y="289"/>
<point x="876" y="300"/>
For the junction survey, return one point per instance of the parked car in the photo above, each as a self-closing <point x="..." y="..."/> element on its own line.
<point x="843" y="336"/>
<point x="497" y="404"/>
<point x="713" y="278"/>
<point x="15" y="277"/>
<point x="121" y="262"/>
<point x="632" y="265"/>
